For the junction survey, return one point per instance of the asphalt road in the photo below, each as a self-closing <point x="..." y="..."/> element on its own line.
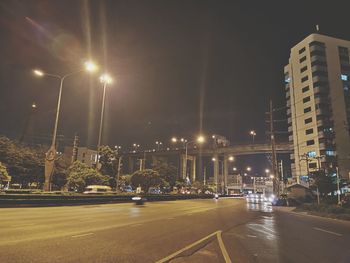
<point x="225" y="230"/>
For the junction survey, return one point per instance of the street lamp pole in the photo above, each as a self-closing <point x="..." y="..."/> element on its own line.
<point x="105" y="79"/>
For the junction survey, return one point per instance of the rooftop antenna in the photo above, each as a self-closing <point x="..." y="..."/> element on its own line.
<point x="317" y="28"/>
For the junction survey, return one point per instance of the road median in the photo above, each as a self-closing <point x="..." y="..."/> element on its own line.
<point x="67" y="199"/>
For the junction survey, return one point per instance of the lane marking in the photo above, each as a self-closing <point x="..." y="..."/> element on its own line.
<point x="82" y="235"/>
<point x="223" y="248"/>
<point x="251" y="236"/>
<point x="221" y="245"/>
<point x="327" y="231"/>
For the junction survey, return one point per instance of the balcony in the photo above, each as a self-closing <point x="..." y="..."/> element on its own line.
<point x="316" y="48"/>
<point x="321" y="90"/>
<point x="290" y="129"/>
<point x="290" y="120"/>
<point x="287" y="94"/>
<point x="318" y="58"/>
<point x="319" y="68"/>
<point x="319" y="79"/>
<point x="290" y="138"/>
<point x="289" y="112"/>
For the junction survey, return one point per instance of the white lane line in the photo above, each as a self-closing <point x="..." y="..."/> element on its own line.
<point x="251" y="236"/>
<point x="82" y="235"/>
<point x="327" y="231"/>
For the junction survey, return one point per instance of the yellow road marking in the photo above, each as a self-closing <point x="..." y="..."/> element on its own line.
<point x="221" y="245"/>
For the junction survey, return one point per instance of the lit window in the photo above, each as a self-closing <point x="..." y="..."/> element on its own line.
<point x="287" y="79"/>
<point x="330" y="153"/>
<point x="311" y="154"/>
<point x="344" y="77"/>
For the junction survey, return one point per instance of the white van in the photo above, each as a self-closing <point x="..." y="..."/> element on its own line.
<point x="97" y="189"/>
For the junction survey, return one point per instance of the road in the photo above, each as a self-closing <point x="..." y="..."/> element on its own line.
<point x="224" y="230"/>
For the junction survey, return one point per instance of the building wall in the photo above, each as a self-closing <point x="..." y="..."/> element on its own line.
<point x="314" y="71"/>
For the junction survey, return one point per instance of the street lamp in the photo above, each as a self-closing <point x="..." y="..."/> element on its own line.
<point x="158" y="145"/>
<point x="105" y="79"/>
<point x="248" y="169"/>
<point x="200" y="139"/>
<point x="51" y="153"/>
<point x="253" y="134"/>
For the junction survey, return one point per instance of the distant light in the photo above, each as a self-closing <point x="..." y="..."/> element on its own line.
<point x="344" y="77"/>
<point x="200" y="139"/>
<point x="182" y="140"/>
<point x="174" y="139"/>
<point x="267" y="170"/>
<point x="90" y="66"/>
<point x="33" y="105"/>
<point x="38" y="72"/>
<point x="234" y="169"/>
<point x="231" y="158"/>
<point x="252" y="132"/>
<point x="213" y="136"/>
<point x="105" y="78"/>
<point x="249" y="168"/>
<point x="213" y="159"/>
<point x="272" y="176"/>
<point x="287" y="80"/>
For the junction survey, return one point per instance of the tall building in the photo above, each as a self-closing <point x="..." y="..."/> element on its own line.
<point x="317" y="85"/>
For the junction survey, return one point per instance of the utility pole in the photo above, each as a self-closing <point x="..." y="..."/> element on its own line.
<point x="338" y="188"/>
<point x="273" y="152"/>
<point x="75" y="148"/>
<point x="205" y="175"/>
<point x="118" y="172"/>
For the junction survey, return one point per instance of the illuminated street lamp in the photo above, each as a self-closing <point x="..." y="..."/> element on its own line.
<point x="248" y="168"/>
<point x="267" y="171"/>
<point x="51" y="153"/>
<point x="105" y="79"/>
<point x="253" y="134"/>
<point x="158" y="144"/>
<point x="231" y="158"/>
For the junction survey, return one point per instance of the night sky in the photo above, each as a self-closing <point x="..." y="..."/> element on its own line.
<point x="179" y="67"/>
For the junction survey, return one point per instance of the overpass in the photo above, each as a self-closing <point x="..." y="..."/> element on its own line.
<point x="220" y="154"/>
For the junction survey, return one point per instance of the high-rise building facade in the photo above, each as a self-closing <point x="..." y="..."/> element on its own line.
<point x="317" y="85"/>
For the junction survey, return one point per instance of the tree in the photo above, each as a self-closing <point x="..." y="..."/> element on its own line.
<point x="4" y="176"/>
<point x="167" y="172"/>
<point x="108" y="162"/>
<point x="25" y="164"/>
<point x="324" y="183"/>
<point x="80" y="175"/>
<point x="147" y="178"/>
<point x="59" y="177"/>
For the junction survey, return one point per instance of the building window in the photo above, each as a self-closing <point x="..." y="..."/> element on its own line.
<point x="309" y="131"/>
<point x="304" y="79"/>
<point x="310" y="142"/>
<point x="302" y="50"/>
<point x="311" y="154"/>
<point x="305" y="89"/>
<point x="308" y="109"/>
<point x="84" y="155"/>
<point x="306" y="99"/>
<point x="344" y="77"/>
<point x="303" y="69"/>
<point x="308" y="120"/>
<point x="319" y="63"/>
<point x="302" y="59"/>
<point x="316" y="43"/>
<point x="312" y="165"/>
<point x="330" y="153"/>
<point x="319" y="53"/>
<point x="287" y="79"/>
